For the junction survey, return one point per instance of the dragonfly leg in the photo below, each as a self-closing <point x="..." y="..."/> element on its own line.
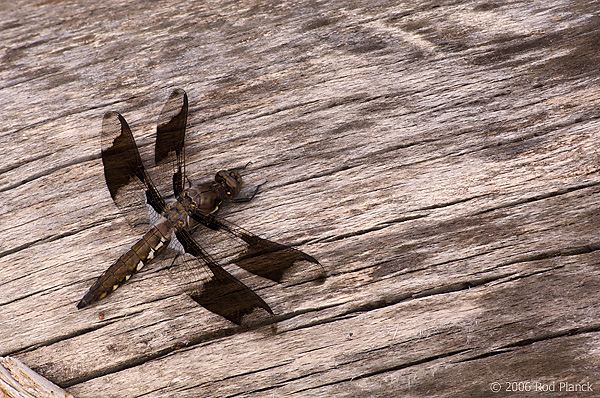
<point x="248" y="198"/>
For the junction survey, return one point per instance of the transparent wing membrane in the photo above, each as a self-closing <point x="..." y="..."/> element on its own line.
<point x="221" y="293"/>
<point x="126" y="178"/>
<point x="169" y="154"/>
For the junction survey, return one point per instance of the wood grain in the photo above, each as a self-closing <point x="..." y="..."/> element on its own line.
<point x="439" y="159"/>
<point x="19" y="381"/>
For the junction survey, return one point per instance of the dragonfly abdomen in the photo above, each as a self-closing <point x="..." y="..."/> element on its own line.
<point x="140" y="254"/>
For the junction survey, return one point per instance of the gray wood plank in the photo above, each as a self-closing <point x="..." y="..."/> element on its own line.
<point x="439" y="159"/>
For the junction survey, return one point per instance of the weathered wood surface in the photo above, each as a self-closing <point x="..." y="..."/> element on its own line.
<point x="18" y="381"/>
<point x="439" y="158"/>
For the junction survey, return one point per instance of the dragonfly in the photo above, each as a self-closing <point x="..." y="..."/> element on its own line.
<point x="175" y="219"/>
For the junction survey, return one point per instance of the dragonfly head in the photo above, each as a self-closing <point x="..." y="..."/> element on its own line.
<point x="230" y="183"/>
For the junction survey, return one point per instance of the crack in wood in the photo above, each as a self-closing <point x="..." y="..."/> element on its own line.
<point x="388" y="369"/>
<point x="573" y="251"/>
<point x="532" y="340"/>
<point x="53" y="238"/>
<point x="538" y="197"/>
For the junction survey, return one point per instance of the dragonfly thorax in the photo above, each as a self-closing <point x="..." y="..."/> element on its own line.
<point x="177" y="215"/>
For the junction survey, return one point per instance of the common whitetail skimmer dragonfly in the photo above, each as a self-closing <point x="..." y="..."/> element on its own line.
<point x="174" y="221"/>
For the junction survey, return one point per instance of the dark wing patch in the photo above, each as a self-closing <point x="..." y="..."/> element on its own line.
<point x="263" y="257"/>
<point x="169" y="154"/>
<point x="222" y="294"/>
<point x="276" y="261"/>
<point x="126" y="177"/>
